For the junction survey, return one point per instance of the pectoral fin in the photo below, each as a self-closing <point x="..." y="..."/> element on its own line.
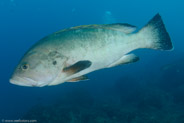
<point x="77" y="67"/>
<point x="80" y="78"/>
<point x="126" y="59"/>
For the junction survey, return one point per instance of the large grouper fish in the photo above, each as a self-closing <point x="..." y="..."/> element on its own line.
<point x="69" y="54"/>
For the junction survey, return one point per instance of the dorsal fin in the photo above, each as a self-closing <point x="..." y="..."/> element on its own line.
<point x="123" y="27"/>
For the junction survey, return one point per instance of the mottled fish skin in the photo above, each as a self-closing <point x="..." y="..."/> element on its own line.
<point x="69" y="54"/>
<point x="98" y="45"/>
<point x="86" y="43"/>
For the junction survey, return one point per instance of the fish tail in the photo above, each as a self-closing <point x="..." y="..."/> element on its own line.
<point x="154" y="35"/>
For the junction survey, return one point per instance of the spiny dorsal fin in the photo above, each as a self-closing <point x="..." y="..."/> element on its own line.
<point x="123" y="27"/>
<point x="77" y="67"/>
<point x="80" y="78"/>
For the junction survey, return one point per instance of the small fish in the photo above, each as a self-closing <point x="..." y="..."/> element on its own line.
<point x="69" y="54"/>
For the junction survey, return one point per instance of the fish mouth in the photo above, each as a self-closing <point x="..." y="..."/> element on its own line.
<point x="24" y="81"/>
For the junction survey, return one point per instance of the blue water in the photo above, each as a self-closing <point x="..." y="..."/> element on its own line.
<point x="139" y="92"/>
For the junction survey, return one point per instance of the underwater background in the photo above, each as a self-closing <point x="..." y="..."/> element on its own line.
<point x="148" y="91"/>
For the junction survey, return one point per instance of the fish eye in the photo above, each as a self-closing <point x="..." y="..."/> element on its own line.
<point x="54" y="62"/>
<point x="25" y="66"/>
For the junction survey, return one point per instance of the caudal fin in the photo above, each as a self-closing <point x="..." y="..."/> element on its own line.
<point x="154" y="35"/>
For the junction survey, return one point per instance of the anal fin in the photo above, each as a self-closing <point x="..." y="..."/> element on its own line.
<point x="80" y="78"/>
<point x="126" y="59"/>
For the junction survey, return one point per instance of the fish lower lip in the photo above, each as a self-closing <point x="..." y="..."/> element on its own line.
<point x="23" y="81"/>
<point x="34" y="83"/>
<point x="28" y="79"/>
<point x="15" y="82"/>
<point x="12" y="81"/>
